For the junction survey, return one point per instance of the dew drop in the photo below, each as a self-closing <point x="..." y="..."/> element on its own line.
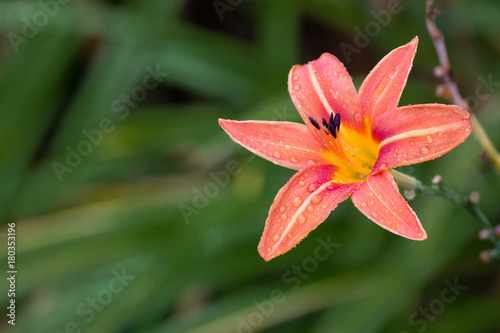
<point x="312" y="187"/>
<point x="440" y="134"/>
<point x="287" y="147"/>
<point x="467" y="130"/>
<point x="277" y="154"/>
<point x="268" y="250"/>
<point x="293" y="159"/>
<point x="358" y="116"/>
<point x="363" y="204"/>
<point x="264" y="145"/>
<point x="295" y="78"/>
<point x="335" y="73"/>
<point x="289" y="236"/>
<point x="412" y="143"/>
<point x="301" y="219"/>
<point x="296" y="201"/>
<point x="428" y="138"/>
<point x="367" y="102"/>
<point x="330" y="187"/>
<point x="316" y="199"/>
<point x="371" y="194"/>
<point x="383" y="166"/>
<point x="282" y="209"/>
<point x="301" y="183"/>
<point x="284" y="216"/>
<point x="310" y="162"/>
<point x="276" y="237"/>
<point x="374" y="214"/>
<point x="424" y="150"/>
<point x="296" y="87"/>
<point x="310" y="209"/>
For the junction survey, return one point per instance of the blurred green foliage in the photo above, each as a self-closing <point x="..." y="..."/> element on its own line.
<point x="134" y="212"/>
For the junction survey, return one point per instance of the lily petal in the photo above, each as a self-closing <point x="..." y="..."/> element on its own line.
<point x="300" y="206"/>
<point x="379" y="199"/>
<point x="284" y="143"/>
<point x="322" y="87"/>
<point x="382" y="88"/>
<point x="418" y="133"/>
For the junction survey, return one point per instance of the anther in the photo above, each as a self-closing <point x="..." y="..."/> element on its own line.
<point x="336" y="121"/>
<point x="314" y="122"/>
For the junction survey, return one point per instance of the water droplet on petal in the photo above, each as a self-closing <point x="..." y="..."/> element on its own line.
<point x="367" y="102"/>
<point x="284" y="216"/>
<point x="412" y="143"/>
<point x="310" y="209"/>
<point x="424" y="150"/>
<point x="287" y="147"/>
<point x="371" y="194"/>
<point x="296" y="201"/>
<point x="428" y="138"/>
<point x="296" y="87"/>
<point x="301" y="183"/>
<point x="295" y="78"/>
<point x="440" y="134"/>
<point x="316" y="199"/>
<point x="312" y="187"/>
<point x="358" y="116"/>
<point x="293" y="159"/>
<point x="282" y="209"/>
<point x="374" y="214"/>
<point x="330" y="187"/>
<point x="268" y="250"/>
<point x="277" y="154"/>
<point x="363" y="204"/>
<point x="383" y="166"/>
<point x="276" y="237"/>
<point x="301" y="219"/>
<point x="289" y="236"/>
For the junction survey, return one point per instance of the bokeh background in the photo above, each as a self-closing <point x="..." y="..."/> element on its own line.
<point x="135" y="212"/>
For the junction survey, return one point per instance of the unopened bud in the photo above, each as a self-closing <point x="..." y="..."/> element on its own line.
<point x="488" y="256"/>
<point x="409" y="194"/>
<point x="443" y="91"/>
<point x="474" y="197"/>
<point x="438" y="71"/>
<point x="484" y="234"/>
<point x="437" y="179"/>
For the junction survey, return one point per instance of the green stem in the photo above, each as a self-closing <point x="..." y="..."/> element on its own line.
<point x="439" y="189"/>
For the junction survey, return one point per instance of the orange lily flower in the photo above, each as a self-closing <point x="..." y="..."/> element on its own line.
<point x="350" y="142"/>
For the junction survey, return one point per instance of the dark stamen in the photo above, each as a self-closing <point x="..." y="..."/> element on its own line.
<point x="332" y="130"/>
<point x="336" y="122"/>
<point x="331" y="118"/>
<point x="325" y="123"/>
<point x="314" y="123"/>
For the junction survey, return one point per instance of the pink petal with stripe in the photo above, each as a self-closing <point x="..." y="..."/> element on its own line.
<point x="300" y="206"/>
<point x="418" y="133"/>
<point x="287" y="144"/>
<point x="322" y="87"/>
<point x="378" y="198"/>
<point x="382" y="88"/>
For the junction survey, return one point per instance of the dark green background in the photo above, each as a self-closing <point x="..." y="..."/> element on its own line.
<point x="119" y="210"/>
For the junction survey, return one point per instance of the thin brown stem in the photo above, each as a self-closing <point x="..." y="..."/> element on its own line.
<point x="451" y="86"/>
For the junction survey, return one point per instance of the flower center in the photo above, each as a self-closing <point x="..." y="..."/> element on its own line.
<point x="352" y="150"/>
